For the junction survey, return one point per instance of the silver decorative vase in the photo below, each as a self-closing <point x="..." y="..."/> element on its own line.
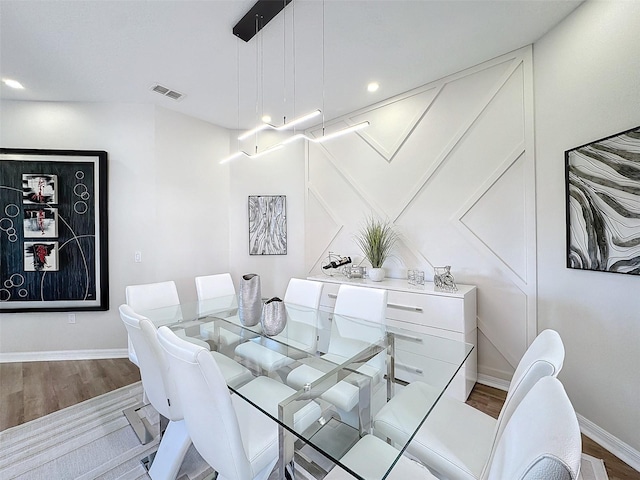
<point x="250" y="300"/>
<point x="274" y="316"/>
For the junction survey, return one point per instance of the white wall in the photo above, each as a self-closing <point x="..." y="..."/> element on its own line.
<point x="451" y="164"/>
<point x="587" y="86"/>
<point x="278" y="173"/>
<point x="165" y="186"/>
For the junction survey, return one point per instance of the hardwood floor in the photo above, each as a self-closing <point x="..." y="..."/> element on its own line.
<point x="34" y="389"/>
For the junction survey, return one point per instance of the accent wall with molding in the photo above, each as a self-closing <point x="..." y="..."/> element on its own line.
<point x="451" y="165"/>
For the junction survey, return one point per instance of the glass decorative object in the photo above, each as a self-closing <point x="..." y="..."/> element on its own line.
<point x="443" y="280"/>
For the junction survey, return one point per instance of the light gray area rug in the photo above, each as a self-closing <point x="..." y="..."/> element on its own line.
<point x="93" y="440"/>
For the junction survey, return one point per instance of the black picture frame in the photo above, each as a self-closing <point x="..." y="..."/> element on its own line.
<point x="267" y="225"/>
<point x="602" y="183"/>
<point x="53" y="230"/>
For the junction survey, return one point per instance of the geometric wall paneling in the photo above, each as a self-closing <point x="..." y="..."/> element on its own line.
<point x="501" y="197"/>
<point x="326" y="228"/>
<point x="391" y="123"/>
<point x="501" y="319"/>
<point x="456" y="177"/>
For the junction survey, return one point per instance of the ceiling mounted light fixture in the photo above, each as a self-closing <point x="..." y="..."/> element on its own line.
<point x="259" y="15"/>
<point x="373" y="87"/>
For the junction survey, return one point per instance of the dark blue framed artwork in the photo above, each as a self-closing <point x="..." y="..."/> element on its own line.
<point x="53" y="230"/>
<point x="603" y="204"/>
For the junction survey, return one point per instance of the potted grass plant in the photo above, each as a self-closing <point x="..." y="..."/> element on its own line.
<point x="376" y="240"/>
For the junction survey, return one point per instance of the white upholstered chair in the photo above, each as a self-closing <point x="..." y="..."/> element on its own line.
<point x="150" y="296"/>
<point x="347" y="338"/>
<point x="233" y="436"/>
<point x="541" y="440"/>
<point x="456" y="440"/>
<point x="300" y="332"/>
<point x="161" y="392"/>
<point x="218" y="288"/>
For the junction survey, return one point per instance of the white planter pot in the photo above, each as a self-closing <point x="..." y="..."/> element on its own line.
<point x="375" y="274"/>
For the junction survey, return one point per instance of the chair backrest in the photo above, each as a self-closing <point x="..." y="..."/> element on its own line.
<point x="543" y="358"/>
<point x="347" y="337"/>
<point x="154" y="367"/>
<point x="541" y="439"/>
<point x="362" y="302"/>
<point x="213" y="286"/>
<point x="152" y="295"/>
<point x="303" y="292"/>
<point x="148" y="296"/>
<point x="208" y="412"/>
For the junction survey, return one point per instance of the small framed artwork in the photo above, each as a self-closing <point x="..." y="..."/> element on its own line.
<point x="267" y="225"/>
<point x="603" y="204"/>
<point x="40" y="222"/>
<point x="53" y="230"/>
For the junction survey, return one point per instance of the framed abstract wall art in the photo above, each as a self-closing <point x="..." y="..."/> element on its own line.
<point x="603" y="204"/>
<point x="53" y="230"/>
<point x="267" y="225"/>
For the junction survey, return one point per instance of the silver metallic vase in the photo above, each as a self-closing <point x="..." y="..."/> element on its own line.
<point x="250" y="300"/>
<point x="274" y="316"/>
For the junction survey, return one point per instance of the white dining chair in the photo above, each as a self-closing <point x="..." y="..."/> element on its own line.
<point x="219" y="288"/>
<point x="150" y="296"/>
<point x="456" y="440"/>
<point x="161" y="392"/>
<point x="300" y="331"/>
<point x="541" y="440"/>
<point x="348" y="338"/>
<point x="236" y="438"/>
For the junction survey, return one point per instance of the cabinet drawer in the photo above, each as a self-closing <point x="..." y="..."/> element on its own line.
<point x="428" y="310"/>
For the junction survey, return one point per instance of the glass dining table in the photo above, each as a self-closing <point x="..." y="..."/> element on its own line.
<point x="341" y="366"/>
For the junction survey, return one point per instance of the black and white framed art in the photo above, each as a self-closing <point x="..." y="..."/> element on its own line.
<point x="603" y="204"/>
<point x="267" y="225"/>
<point x="53" y="230"/>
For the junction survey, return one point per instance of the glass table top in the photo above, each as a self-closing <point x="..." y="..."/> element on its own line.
<point x="344" y="365"/>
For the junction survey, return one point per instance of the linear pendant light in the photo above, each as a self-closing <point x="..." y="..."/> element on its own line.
<point x="241" y="153"/>
<point x="285" y="126"/>
<point x="295" y="121"/>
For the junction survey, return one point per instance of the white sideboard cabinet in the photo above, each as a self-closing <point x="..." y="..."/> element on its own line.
<point x="422" y="309"/>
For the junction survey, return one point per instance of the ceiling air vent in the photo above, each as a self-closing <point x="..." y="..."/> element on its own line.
<point x="167" y="92"/>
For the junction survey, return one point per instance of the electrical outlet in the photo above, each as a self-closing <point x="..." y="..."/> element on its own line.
<point x="137" y="257"/>
<point x="72" y="318"/>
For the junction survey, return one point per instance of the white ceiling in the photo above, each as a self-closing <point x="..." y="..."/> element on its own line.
<point x="113" y="51"/>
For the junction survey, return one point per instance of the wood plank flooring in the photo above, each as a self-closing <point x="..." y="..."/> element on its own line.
<point x="34" y="389"/>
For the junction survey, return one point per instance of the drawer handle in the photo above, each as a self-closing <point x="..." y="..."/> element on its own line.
<point x="332" y="295"/>
<point x="411" y="308"/>
<point x="409" y="368"/>
<point x="407" y="337"/>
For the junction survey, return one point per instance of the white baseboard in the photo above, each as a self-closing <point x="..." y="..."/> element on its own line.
<point x="494" y="382"/>
<point x="63" y="355"/>
<point x="614" y="445"/>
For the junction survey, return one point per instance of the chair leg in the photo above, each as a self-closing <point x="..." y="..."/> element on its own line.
<point x="173" y="447"/>
<point x="140" y="426"/>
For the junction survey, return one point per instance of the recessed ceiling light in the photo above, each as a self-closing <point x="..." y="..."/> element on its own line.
<point x="12" y="83"/>
<point x="373" y="86"/>
<point x="266" y="119"/>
